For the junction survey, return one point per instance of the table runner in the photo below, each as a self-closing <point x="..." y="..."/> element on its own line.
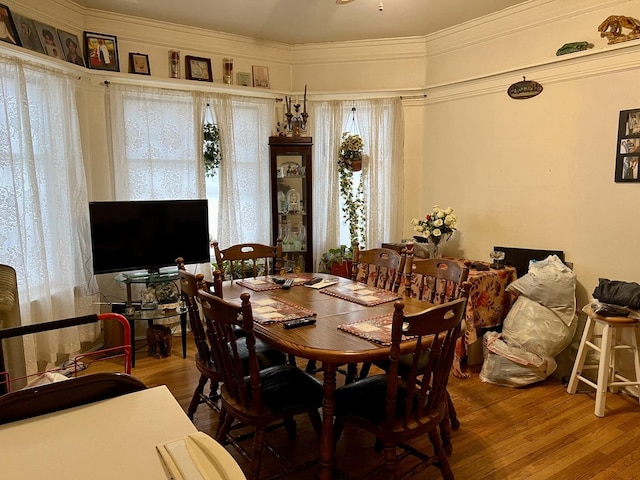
<point x="361" y="294"/>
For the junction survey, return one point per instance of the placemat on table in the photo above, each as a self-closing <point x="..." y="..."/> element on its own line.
<point x="362" y="294"/>
<point x="262" y="284"/>
<point x="259" y="284"/>
<point x="375" y="329"/>
<point x="269" y="310"/>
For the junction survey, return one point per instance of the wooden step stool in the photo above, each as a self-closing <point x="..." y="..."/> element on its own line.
<point x="608" y="377"/>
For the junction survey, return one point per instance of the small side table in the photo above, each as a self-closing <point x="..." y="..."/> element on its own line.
<point x="155" y="314"/>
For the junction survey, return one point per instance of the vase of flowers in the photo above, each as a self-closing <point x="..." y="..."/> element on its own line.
<point x="350" y="160"/>
<point x="436" y="229"/>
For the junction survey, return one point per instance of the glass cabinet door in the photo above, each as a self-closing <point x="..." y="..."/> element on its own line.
<point x="291" y="200"/>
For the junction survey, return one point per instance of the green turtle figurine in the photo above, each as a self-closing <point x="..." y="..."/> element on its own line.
<point x="573" y="47"/>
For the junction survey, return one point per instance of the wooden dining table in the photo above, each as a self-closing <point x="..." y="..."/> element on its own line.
<point x="323" y="342"/>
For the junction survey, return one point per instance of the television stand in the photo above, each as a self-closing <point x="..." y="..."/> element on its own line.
<point x="132" y="313"/>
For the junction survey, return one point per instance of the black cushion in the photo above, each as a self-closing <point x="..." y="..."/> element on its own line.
<point x="366" y="399"/>
<point x="267" y="356"/>
<point x="284" y="386"/>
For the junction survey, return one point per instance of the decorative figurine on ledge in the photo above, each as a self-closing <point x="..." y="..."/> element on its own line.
<point x="613" y="25"/>
<point x="573" y="47"/>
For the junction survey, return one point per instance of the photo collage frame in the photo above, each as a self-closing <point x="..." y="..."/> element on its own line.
<point x="628" y="147"/>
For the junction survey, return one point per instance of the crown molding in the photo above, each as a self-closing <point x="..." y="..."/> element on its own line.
<point x="614" y="59"/>
<point x="359" y="50"/>
<point x="169" y="35"/>
<point x="527" y="16"/>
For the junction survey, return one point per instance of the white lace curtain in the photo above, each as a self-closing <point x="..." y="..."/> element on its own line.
<point x="44" y="226"/>
<point x="157" y="153"/>
<point x="245" y="124"/>
<point x="380" y="124"/>
<point x="156" y="145"/>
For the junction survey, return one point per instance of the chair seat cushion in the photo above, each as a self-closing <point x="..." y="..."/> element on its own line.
<point x="366" y="399"/>
<point x="267" y="356"/>
<point x="285" y="386"/>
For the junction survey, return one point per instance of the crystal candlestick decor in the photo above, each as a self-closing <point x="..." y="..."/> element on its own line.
<point x="227" y="68"/>
<point x="174" y="63"/>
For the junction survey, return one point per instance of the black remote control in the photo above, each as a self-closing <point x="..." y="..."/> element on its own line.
<point x="313" y="281"/>
<point x="287" y="284"/>
<point x="298" y="322"/>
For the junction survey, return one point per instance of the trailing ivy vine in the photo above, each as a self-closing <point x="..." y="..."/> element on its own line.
<point x="353" y="207"/>
<point x="211" y="149"/>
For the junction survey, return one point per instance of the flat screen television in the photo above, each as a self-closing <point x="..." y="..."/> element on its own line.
<point x="137" y="235"/>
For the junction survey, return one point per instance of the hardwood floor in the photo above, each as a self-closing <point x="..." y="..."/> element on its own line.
<point x="536" y="432"/>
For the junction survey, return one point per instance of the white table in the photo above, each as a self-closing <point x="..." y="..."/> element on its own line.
<point x="107" y="440"/>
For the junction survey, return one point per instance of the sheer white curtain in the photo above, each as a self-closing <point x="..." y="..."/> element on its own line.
<point x="328" y="124"/>
<point x="380" y="124"/>
<point x="44" y="226"/>
<point x="382" y="131"/>
<point x="244" y="207"/>
<point x="157" y="143"/>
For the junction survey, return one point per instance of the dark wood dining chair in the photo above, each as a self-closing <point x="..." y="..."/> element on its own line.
<point x="381" y="268"/>
<point x="189" y="286"/>
<point x="434" y="280"/>
<point x="378" y="267"/>
<point x="249" y="259"/>
<point x="53" y="397"/>
<point x="263" y="397"/>
<point x="437" y="280"/>
<point x="397" y="407"/>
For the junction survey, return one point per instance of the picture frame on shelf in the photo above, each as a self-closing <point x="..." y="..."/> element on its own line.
<point x="28" y="33"/>
<point x="198" y="68"/>
<point x="49" y="38"/>
<point x="9" y="33"/>
<point x="139" y="64"/>
<point x="71" y="48"/>
<point x="101" y="51"/>
<point x="260" y="76"/>
<point x="244" y="79"/>
<point x="628" y="147"/>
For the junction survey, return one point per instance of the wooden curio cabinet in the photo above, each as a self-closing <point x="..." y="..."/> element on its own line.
<point x="291" y="200"/>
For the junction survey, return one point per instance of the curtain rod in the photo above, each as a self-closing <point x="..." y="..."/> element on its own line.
<point x="408" y="97"/>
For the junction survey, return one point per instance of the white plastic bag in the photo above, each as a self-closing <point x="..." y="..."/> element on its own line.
<point x="511" y="366"/>
<point x="550" y="283"/>
<point x="537" y="328"/>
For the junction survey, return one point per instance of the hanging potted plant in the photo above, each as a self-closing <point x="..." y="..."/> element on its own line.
<point x="211" y="149"/>
<point x="350" y="160"/>
<point x="351" y="151"/>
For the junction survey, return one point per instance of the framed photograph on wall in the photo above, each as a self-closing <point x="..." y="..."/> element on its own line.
<point x="71" y="48"/>
<point x="628" y="147"/>
<point x="49" y="38"/>
<point x="139" y="63"/>
<point x="198" y="68"/>
<point x="101" y="51"/>
<point x="27" y="32"/>
<point x="8" y="32"/>
<point x="260" y="76"/>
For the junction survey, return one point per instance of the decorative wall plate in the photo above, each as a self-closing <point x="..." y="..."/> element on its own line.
<point x="524" y="89"/>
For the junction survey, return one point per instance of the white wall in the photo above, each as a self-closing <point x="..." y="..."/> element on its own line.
<point x="534" y="173"/>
